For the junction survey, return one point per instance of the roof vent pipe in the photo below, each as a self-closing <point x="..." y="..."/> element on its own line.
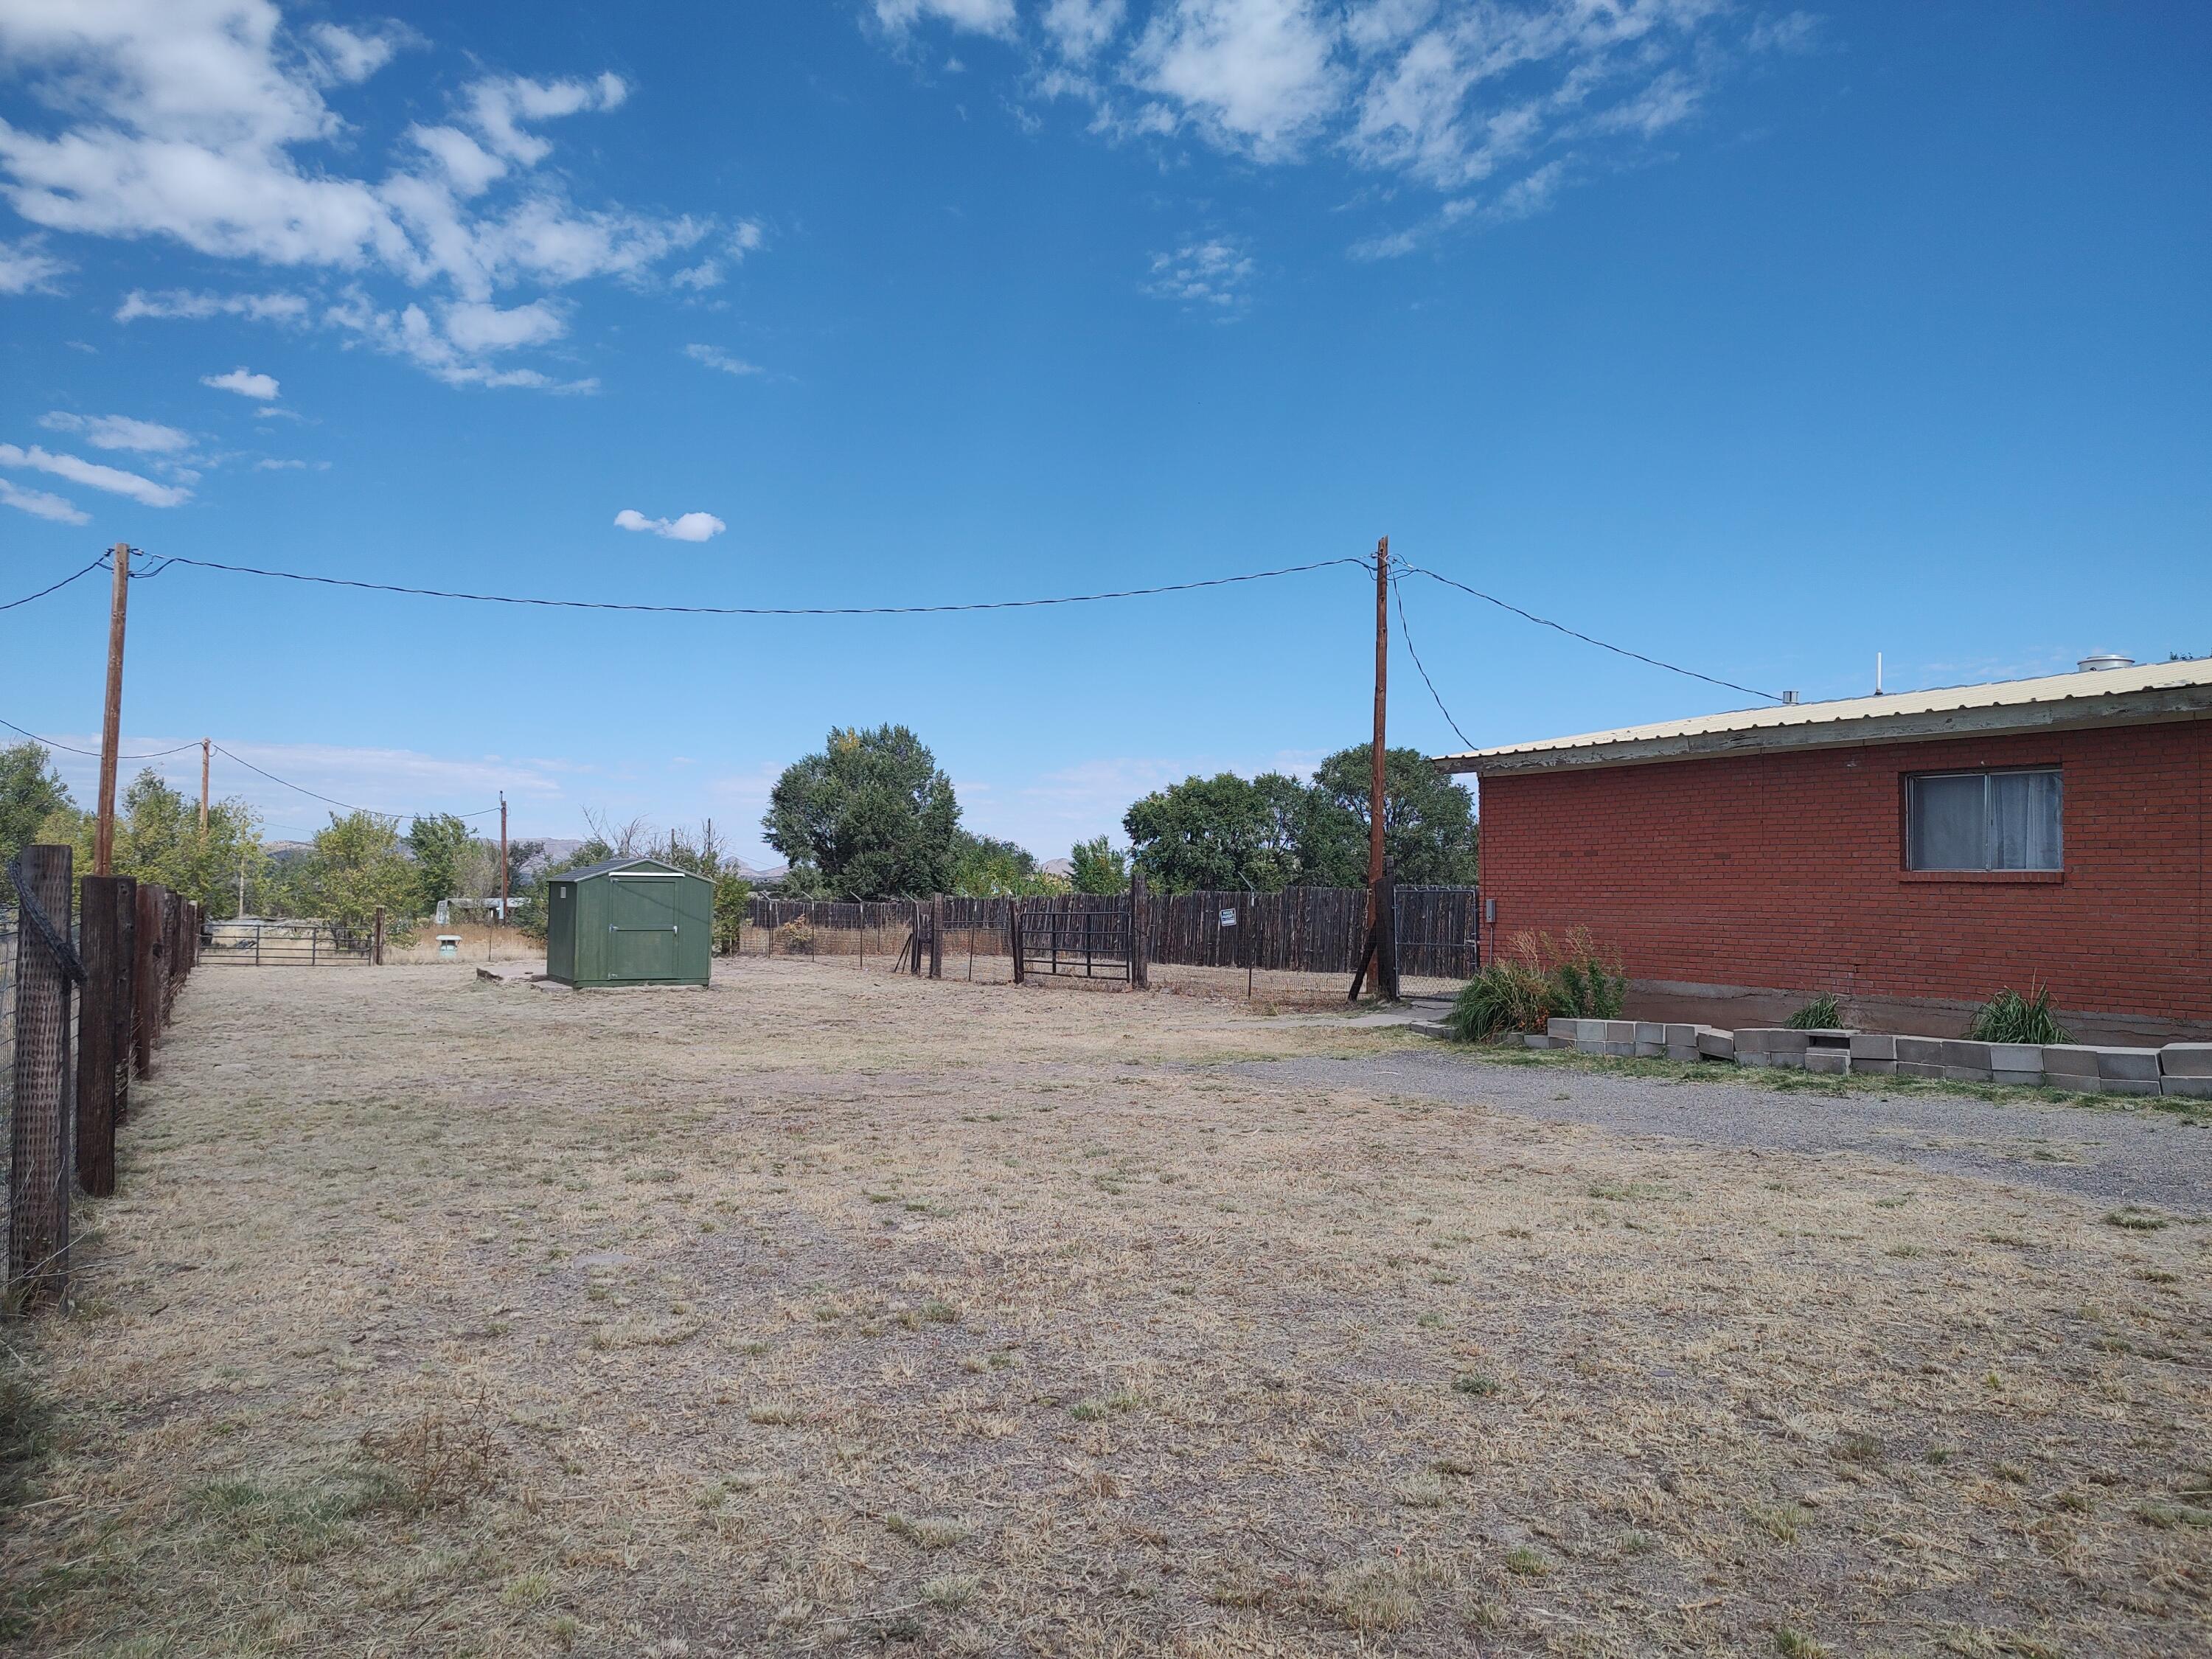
<point x="2101" y="659"/>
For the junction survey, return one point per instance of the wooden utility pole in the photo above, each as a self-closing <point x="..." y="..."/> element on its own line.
<point x="111" y="725"/>
<point x="206" y="744"/>
<point x="502" y="858"/>
<point x="1382" y="700"/>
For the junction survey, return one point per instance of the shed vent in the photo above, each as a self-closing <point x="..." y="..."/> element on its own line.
<point x="2090" y="665"/>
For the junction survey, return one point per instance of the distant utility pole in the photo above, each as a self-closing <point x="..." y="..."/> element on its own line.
<point x="111" y="726"/>
<point x="206" y="744"/>
<point x="1382" y="699"/>
<point x="502" y="858"/>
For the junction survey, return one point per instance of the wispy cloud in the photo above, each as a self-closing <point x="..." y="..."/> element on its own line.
<point x="245" y="382"/>
<point x="715" y="357"/>
<point x="120" y="432"/>
<point x="1214" y="273"/>
<point x="27" y="268"/>
<point x="42" y="504"/>
<point x="210" y="125"/>
<point x="93" y="476"/>
<point x="688" y="527"/>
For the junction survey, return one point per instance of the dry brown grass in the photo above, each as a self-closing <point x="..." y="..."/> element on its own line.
<point x="478" y="944"/>
<point x="823" y="1310"/>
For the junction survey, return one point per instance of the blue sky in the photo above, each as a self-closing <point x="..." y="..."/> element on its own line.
<point x="1755" y="339"/>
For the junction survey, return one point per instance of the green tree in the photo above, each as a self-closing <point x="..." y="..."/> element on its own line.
<point x="158" y="839"/>
<point x="442" y="846"/>
<point x="1429" y="832"/>
<point x="983" y="866"/>
<point x="873" y="814"/>
<point x="1223" y="832"/>
<point x="1100" y="866"/>
<point x="33" y="803"/>
<point x="356" y="866"/>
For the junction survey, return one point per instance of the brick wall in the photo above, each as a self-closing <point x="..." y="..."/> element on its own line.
<point x="1788" y="870"/>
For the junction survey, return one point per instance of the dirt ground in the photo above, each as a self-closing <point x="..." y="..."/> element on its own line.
<point x="826" y="1312"/>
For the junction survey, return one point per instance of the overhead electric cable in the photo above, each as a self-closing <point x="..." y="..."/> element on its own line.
<point x="100" y="563"/>
<point x="72" y="750"/>
<point x="1618" y="650"/>
<point x="333" y="801"/>
<point x="1406" y="633"/>
<point x="754" y="609"/>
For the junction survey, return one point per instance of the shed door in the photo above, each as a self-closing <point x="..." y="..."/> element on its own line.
<point x="641" y="933"/>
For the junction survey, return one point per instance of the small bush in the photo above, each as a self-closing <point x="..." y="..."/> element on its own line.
<point x="2008" y="1017"/>
<point x="1536" y="980"/>
<point x="1821" y="1014"/>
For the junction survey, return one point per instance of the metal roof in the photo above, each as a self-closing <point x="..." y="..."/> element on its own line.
<point x="2149" y="691"/>
<point x="606" y="865"/>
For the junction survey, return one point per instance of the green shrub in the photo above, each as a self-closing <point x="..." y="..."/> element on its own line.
<point x="1821" y="1014"/>
<point x="1539" y="979"/>
<point x="2008" y="1017"/>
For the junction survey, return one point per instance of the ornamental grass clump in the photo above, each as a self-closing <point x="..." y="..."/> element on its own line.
<point x="1821" y="1014"/>
<point x="2008" y="1017"/>
<point x="1536" y="980"/>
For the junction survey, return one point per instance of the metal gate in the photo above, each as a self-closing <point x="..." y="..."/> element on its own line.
<point x="1438" y="931"/>
<point x="1073" y="944"/>
<point x="283" y="944"/>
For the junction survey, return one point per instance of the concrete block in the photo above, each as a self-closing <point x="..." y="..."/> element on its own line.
<point x="1651" y="1051"/>
<point x="1618" y="1030"/>
<point x="2128" y="1065"/>
<point x="1647" y="1031"/>
<point x="2200" y="1087"/>
<point x="1827" y="1036"/>
<point x="1772" y="1040"/>
<point x="1875" y="1067"/>
<point x="1686" y="1036"/>
<point x="2129" y="1086"/>
<point x="1589" y="1046"/>
<point x="1565" y="1029"/>
<point x="2017" y="1079"/>
<point x="1961" y="1051"/>
<point x="1919" y="1051"/>
<point x="1716" y="1045"/>
<point x="1872" y="1045"/>
<point x="1429" y="1028"/>
<point x="1788" y="1062"/>
<point x="1917" y="1068"/>
<point x="1966" y="1074"/>
<point x="1829" y="1058"/>
<point x="1753" y="1057"/>
<point x="1542" y="1040"/>
<point x="2016" y="1057"/>
<point x="2070" y="1060"/>
<point x="1620" y="1050"/>
<point x="1682" y="1051"/>
<point x="2178" y="1058"/>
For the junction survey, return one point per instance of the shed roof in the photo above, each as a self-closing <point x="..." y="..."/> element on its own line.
<point x="606" y="866"/>
<point x="2115" y="697"/>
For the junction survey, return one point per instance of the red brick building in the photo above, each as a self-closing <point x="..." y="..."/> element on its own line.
<point x="1911" y="853"/>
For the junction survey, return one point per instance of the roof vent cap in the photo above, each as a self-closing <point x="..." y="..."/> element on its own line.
<point x="2102" y="659"/>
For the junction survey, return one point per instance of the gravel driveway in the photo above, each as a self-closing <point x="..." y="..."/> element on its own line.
<point x="2105" y="1157"/>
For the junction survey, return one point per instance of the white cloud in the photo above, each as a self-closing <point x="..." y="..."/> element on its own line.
<point x="120" y="432"/>
<point x="184" y="302"/>
<point x="42" y="505"/>
<point x="27" y="268"/>
<point x="93" y="475"/>
<point x="981" y="16"/>
<point x="244" y="382"/>
<point x="270" y="464"/>
<point x="1212" y="273"/>
<point x="1513" y="99"/>
<point x="715" y="357"/>
<point x="690" y="528"/>
<point x="208" y="123"/>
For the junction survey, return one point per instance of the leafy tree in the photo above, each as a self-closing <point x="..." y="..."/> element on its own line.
<point x="32" y="797"/>
<point x="441" y="845"/>
<point x="356" y="866"/>
<point x="1100" y="867"/>
<point x="1224" y="831"/>
<point x="873" y="814"/>
<point x="158" y="839"/>
<point x="983" y="866"/>
<point x="1429" y="832"/>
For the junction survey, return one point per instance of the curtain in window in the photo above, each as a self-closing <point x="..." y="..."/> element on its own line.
<point x="1948" y="829"/>
<point x="2023" y="821"/>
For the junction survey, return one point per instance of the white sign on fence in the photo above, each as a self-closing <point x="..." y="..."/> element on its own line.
<point x="1228" y="918"/>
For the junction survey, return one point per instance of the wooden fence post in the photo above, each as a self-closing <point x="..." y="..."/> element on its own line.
<point x="1385" y="936"/>
<point x="1141" y="935"/>
<point x="145" y="972"/>
<point x="38" y="1171"/>
<point x="1014" y="930"/>
<point x="173" y="936"/>
<point x="126" y="991"/>
<point x="100" y="947"/>
<point x="917" y="970"/>
<point x="376" y="941"/>
<point x="937" y="936"/>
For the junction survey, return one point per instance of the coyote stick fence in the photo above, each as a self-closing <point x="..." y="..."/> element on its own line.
<point x="101" y="946"/>
<point x="39" y="1171"/>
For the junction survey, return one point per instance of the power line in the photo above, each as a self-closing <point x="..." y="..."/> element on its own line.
<point x="72" y="750"/>
<point x="97" y="564"/>
<point x="1618" y="650"/>
<point x="748" y="609"/>
<point x="1405" y="632"/>
<point x="332" y="800"/>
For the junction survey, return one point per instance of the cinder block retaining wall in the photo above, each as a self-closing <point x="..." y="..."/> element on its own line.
<point x="1746" y="882"/>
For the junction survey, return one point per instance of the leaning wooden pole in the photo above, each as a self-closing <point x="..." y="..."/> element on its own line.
<point x="111" y="721"/>
<point x="1375" y="787"/>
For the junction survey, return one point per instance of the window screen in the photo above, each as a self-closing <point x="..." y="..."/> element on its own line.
<point x="1983" y="821"/>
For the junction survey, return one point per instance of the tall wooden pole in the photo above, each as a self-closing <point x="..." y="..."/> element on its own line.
<point x="1382" y="695"/>
<point x="502" y="858"/>
<point x="206" y="745"/>
<point x="111" y="726"/>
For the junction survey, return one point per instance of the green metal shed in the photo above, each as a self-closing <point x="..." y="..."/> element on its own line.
<point x="629" y="921"/>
